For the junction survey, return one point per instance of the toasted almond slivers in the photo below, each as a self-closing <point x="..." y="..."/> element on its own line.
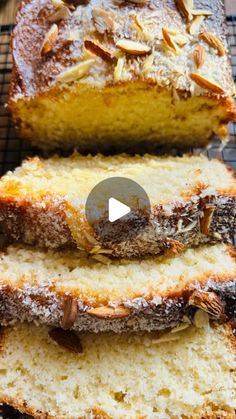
<point x="185" y="8"/>
<point x="133" y="47"/>
<point x="118" y="69"/>
<point x="194" y="26"/>
<point x="199" y="56"/>
<point x="98" y="49"/>
<point x="49" y="40"/>
<point x="180" y="39"/>
<point x="199" y="12"/>
<point x="207" y="84"/>
<point x="207" y="301"/>
<point x="76" y="72"/>
<point x="214" y="42"/>
<point x="109" y="312"/>
<point x="168" y="41"/>
<point x="70" y="311"/>
<point x="205" y="221"/>
<point x="62" y="12"/>
<point x="103" y="21"/>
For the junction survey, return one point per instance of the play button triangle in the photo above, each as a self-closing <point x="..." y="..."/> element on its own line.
<point x="117" y="209"/>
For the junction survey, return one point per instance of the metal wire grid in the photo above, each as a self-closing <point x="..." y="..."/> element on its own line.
<point x="13" y="150"/>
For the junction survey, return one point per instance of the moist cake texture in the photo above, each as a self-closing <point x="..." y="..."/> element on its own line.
<point x="186" y="374"/>
<point x="117" y="75"/>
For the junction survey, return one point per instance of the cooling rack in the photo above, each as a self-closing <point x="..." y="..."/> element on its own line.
<point x="13" y="150"/>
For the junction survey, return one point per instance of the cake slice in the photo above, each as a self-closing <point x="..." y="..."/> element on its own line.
<point x="124" y="75"/>
<point x="82" y="294"/>
<point x="181" y="375"/>
<point x="193" y="200"/>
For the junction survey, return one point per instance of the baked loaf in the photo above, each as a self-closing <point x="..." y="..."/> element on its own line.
<point x="62" y="289"/>
<point x="121" y="75"/>
<point x="193" y="200"/>
<point x="186" y="374"/>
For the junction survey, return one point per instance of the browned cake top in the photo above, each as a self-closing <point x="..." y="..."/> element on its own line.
<point x="179" y="45"/>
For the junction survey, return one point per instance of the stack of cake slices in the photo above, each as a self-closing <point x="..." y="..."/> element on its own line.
<point x="93" y="326"/>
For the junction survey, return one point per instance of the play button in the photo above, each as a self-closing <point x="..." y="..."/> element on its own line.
<point x="117" y="209"/>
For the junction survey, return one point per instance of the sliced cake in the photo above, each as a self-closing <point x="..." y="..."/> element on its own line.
<point x="64" y="289"/>
<point x="193" y="200"/>
<point x="121" y="75"/>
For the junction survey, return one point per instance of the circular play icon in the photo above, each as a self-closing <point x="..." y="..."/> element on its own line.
<point x="117" y="209"/>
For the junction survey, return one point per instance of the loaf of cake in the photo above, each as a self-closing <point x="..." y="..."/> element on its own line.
<point x="64" y="290"/>
<point x="181" y="375"/>
<point x="121" y="75"/>
<point x="193" y="200"/>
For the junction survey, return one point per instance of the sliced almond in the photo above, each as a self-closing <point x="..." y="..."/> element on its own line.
<point x="147" y="36"/>
<point x="103" y="21"/>
<point x="199" y="12"/>
<point x="169" y="41"/>
<point x="185" y="8"/>
<point x="199" y="56"/>
<point x="133" y="47"/>
<point x="194" y="27"/>
<point x="207" y="83"/>
<point x="76" y="72"/>
<point x="213" y="41"/>
<point x="119" y="69"/>
<point x="70" y="312"/>
<point x="61" y="13"/>
<point x="205" y="221"/>
<point x="106" y="312"/>
<point x="49" y="40"/>
<point x="67" y="339"/>
<point x="98" y="49"/>
<point x="180" y="39"/>
<point x="148" y="62"/>
<point x="207" y="301"/>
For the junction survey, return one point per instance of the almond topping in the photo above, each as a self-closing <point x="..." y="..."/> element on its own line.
<point x="199" y="56"/>
<point x="49" y="40"/>
<point x="99" y="49"/>
<point x="207" y="84"/>
<point x="119" y="69"/>
<point x="194" y="26"/>
<point x="109" y="312"/>
<point x="132" y="47"/>
<point x="103" y="21"/>
<point x="76" y="72"/>
<point x="67" y="339"/>
<point x="168" y="41"/>
<point x="70" y="311"/>
<point x="205" y="221"/>
<point x="207" y="301"/>
<point x="214" y="42"/>
<point x="62" y="12"/>
<point x="199" y="12"/>
<point x="180" y="39"/>
<point x="185" y="8"/>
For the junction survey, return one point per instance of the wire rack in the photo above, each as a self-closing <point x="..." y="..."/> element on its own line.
<point x="13" y="150"/>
